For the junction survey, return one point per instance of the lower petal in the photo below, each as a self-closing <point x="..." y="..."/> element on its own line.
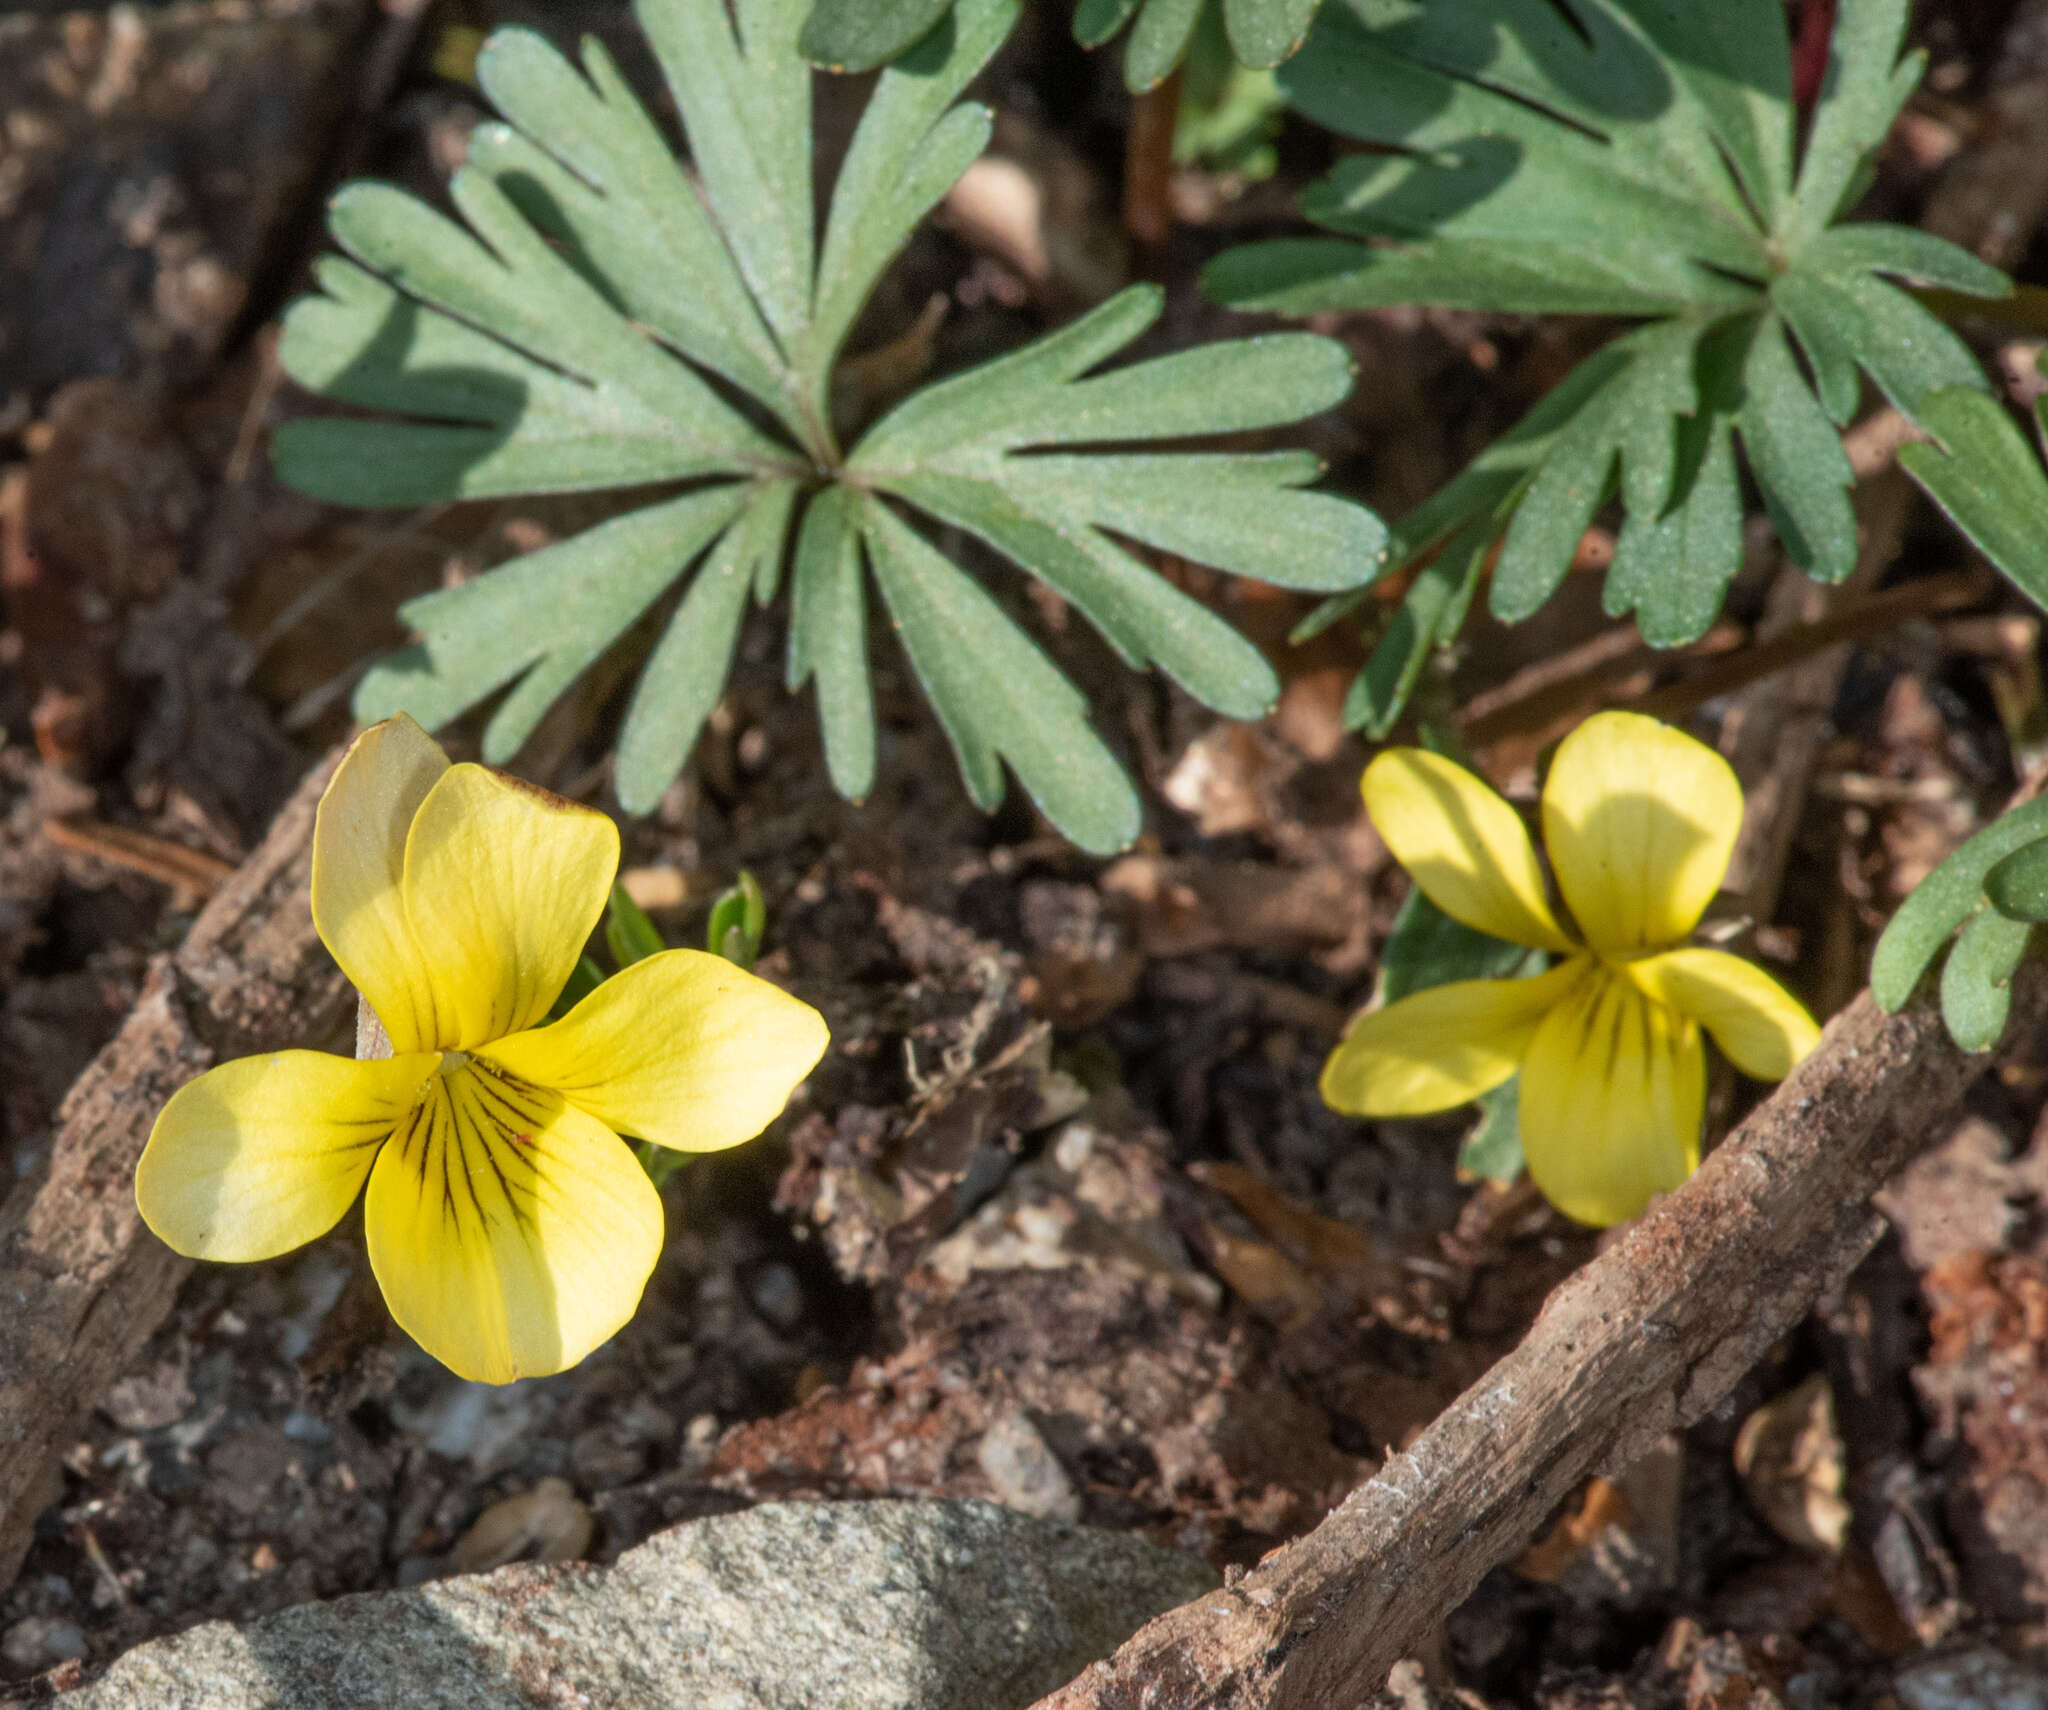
<point x="682" y="1048"/>
<point x="264" y="1154"/>
<point x="1613" y="1089"/>
<point x="1761" y="1027"/>
<point x="1442" y="1047"/>
<point x="510" y="1233"/>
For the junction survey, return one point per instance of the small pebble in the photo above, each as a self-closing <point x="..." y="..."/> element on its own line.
<point x="1978" y="1679"/>
<point x="777" y="1295"/>
<point x="1024" y="1472"/>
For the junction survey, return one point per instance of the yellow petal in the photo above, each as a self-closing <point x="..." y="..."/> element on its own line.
<point x="683" y="1049"/>
<point x="1462" y="844"/>
<point x="1442" y="1047"/>
<point x="510" y="1233"/>
<point x="358" y="862"/>
<point x="1640" y="821"/>
<point x="1612" y="1091"/>
<point x="1761" y="1027"/>
<point x="264" y="1154"/>
<point x="503" y="882"/>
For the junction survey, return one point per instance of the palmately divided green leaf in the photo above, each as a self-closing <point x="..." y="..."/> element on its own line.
<point x="1976" y="980"/>
<point x="1636" y="158"/>
<point x="1942" y="901"/>
<point x="1427" y="948"/>
<point x="858" y="35"/>
<point x="585" y="325"/>
<point x="1980" y="469"/>
<point x="2018" y="885"/>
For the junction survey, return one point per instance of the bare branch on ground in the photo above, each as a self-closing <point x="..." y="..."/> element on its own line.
<point x="1647" y="1338"/>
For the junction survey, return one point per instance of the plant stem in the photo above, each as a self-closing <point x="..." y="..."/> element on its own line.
<point x="1148" y="162"/>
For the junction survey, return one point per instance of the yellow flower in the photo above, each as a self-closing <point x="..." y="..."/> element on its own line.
<point x="1640" y="822"/>
<point x="509" y="1226"/>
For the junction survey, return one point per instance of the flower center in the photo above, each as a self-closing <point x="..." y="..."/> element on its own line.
<point x="452" y="1062"/>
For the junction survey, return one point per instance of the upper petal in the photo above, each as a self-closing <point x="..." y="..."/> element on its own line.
<point x="359" y="837"/>
<point x="1613" y="1088"/>
<point x="503" y="882"/>
<point x="682" y="1048"/>
<point x="1442" y="1047"/>
<point x="1462" y="844"/>
<point x="1761" y="1027"/>
<point x="1640" y="821"/>
<point x="510" y="1233"/>
<point x="263" y="1154"/>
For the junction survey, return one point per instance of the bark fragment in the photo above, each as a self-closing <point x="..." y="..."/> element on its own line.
<point x="82" y="1282"/>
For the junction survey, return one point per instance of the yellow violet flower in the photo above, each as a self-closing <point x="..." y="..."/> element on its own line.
<point x="1640" y="822"/>
<point x="509" y="1226"/>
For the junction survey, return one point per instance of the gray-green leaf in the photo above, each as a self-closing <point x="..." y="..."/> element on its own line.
<point x="1623" y="157"/>
<point x="1944" y="900"/>
<point x="858" y="35"/>
<point x="1983" y="473"/>
<point x="587" y="320"/>
<point x="1976" y="981"/>
<point x="2018" y="885"/>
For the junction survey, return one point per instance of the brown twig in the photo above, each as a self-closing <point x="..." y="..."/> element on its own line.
<point x="1647" y="1338"/>
<point x="140" y="852"/>
<point x="1853" y="620"/>
<point x="1535" y="704"/>
<point x="1148" y="163"/>
<point x="1570" y="684"/>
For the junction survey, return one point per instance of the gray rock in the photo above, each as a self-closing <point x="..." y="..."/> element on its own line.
<point x="790" y="1606"/>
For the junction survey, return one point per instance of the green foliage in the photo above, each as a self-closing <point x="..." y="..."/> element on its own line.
<point x="1983" y="473"/>
<point x="858" y="35"/>
<point x="1428" y="948"/>
<point x="603" y="319"/>
<point x="1261" y="32"/>
<point x="1976" y="980"/>
<point x="1230" y="112"/>
<point x="1992" y="889"/>
<point x="2018" y="885"/>
<point x="738" y="920"/>
<point x="628" y="933"/>
<point x="1493" y="1150"/>
<point x="1635" y="158"/>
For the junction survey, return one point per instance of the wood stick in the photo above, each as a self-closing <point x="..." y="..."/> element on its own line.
<point x="83" y="1283"/>
<point x="1542" y="707"/>
<point x="1646" y="1339"/>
